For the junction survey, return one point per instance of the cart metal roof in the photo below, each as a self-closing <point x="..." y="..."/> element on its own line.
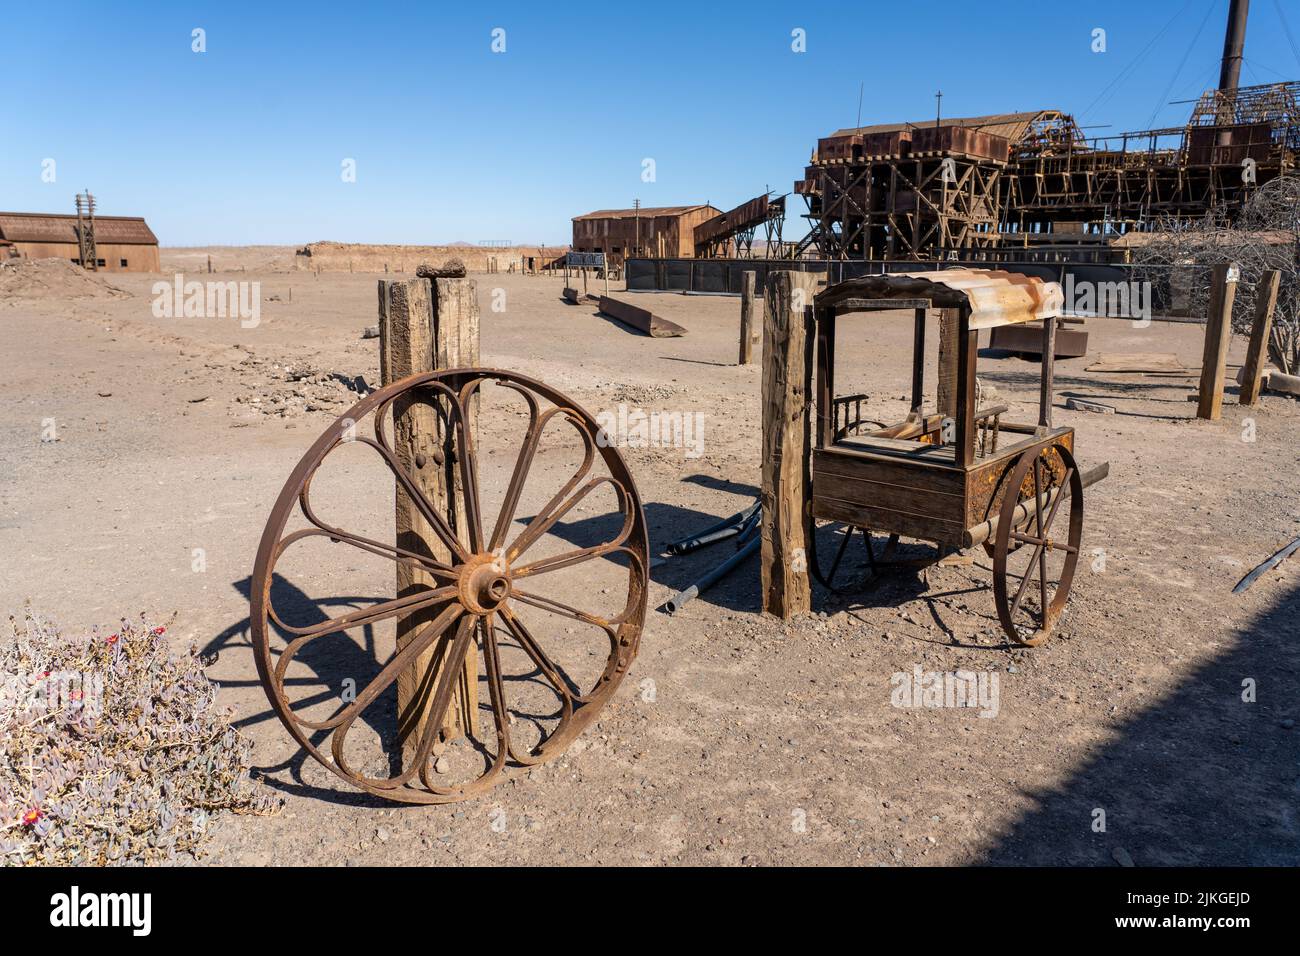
<point x="994" y="297"/>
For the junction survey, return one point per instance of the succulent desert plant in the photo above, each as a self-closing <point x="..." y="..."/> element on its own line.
<point x="112" y="748"/>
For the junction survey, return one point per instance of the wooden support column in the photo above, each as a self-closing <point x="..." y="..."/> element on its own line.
<point x="748" y="280"/>
<point x="1257" y="350"/>
<point x="949" y="346"/>
<point x="918" y="364"/>
<point x="421" y="332"/>
<point x="786" y="478"/>
<point x="967" y="350"/>
<point x="1218" y="332"/>
<point x="1048" y="374"/>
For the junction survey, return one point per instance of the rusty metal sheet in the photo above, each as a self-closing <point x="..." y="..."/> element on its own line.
<point x="994" y="297"/>
<point x="643" y="320"/>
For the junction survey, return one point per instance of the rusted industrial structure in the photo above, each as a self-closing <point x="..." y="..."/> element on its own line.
<point x="959" y="187"/>
<point x="658" y="231"/>
<point x="1032" y="180"/>
<point x="109" y="243"/>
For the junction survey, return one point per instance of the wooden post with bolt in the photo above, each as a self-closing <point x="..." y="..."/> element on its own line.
<point x="748" y="281"/>
<point x="787" y="433"/>
<point x="1257" y="350"/>
<point x="1218" y="332"/>
<point x="426" y="325"/>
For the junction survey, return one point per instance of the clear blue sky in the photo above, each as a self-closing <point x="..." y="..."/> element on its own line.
<point x="243" y="143"/>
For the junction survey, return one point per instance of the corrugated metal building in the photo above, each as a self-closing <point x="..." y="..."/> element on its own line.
<point x="123" y="243"/>
<point x="656" y="231"/>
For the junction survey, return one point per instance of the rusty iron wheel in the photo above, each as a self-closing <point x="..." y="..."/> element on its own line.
<point x="486" y="593"/>
<point x="1028" y="618"/>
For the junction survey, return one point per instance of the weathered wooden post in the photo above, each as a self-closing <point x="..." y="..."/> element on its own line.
<point x="1257" y="350"/>
<point x="748" y="280"/>
<point x="787" y="392"/>
<point x="1218" y="332"/>
<point x="426" y="325"/>
<point x="949" y="347"/>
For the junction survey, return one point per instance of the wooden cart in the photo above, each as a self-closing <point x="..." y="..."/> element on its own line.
<point x="961" y="476"/>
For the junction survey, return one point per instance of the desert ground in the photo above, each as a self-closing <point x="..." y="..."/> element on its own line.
<point x="736" y="738"/>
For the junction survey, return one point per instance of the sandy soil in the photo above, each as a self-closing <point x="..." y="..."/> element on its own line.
<point x="737" y="739"/>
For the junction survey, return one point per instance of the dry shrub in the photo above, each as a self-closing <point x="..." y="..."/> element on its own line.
<point x="112" y="749"/>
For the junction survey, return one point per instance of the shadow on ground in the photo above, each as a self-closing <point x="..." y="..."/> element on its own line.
<point x="1199" y="777"/>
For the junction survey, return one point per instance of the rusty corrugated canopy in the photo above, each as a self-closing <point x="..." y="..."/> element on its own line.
<point x="54" y="227"/>
<point x="995" y="297"/>
<point x="1012" y="126"/>
<point x="644" y="212"/>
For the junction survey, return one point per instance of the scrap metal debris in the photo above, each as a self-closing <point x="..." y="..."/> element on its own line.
<point x="643" y="320"/>
<point x="1268" y="565"/>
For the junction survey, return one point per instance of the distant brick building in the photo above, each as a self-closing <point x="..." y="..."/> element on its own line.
<point x="122" y="243"/>
<point x="655" y="231"/>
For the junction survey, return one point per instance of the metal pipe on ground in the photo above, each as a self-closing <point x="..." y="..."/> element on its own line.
<point x="688" y="594"/>
<point x="714" y="532"/>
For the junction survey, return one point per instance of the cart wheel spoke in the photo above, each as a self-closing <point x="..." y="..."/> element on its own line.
<point x="558" y="506"/>
<point x="827" y="578"/>
<point x="569" y="558"/>
<point x="426" y="508"/>
<point x="568" y="695"/>
<point x="400" y="660"/>
<point x="366" y="616"/>
<point x="523" y="462"/>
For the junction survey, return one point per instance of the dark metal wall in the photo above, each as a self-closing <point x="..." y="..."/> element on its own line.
<point x="722" y="276"/>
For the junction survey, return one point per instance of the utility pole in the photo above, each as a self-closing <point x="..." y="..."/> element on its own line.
<point x="636" y="206"/>
<point x="86" y="248"/>
<point x="938" y="102"/>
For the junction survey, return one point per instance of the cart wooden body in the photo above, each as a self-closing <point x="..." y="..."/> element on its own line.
<point x="943" y="477"/>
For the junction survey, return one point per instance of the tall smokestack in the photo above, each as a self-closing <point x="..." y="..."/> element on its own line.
<point x="1234" y="41"/>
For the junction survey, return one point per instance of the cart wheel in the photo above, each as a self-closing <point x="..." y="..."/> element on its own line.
<point x="838" y="576"/>
<point x="545" y="668"/>
<point x="1032" y="569"/>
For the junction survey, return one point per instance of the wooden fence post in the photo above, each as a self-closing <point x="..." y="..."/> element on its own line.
<point x="748" y="280"/>
<point x="1257" y="350"/>
<point x="1218" y="332"/>
<point x="786" y="482"/>
<point x="421" y="327"/>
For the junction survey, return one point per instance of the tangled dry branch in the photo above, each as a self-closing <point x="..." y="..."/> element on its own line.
<point x="1264" y="236"/>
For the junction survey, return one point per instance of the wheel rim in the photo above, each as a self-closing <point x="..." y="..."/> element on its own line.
<point x="487" y="596"/>
<point x="1033" y="567"/>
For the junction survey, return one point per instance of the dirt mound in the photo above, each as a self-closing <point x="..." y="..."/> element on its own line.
<point x="52" y="278"/>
